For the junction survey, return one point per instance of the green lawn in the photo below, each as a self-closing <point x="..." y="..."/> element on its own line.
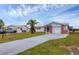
<point x="53" y="47"/>
<point x="18" y="36"/>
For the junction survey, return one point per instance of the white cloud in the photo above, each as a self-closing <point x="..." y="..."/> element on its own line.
<point x="15" y="12"/>
<point x="40" y="23"/>
<point x="23" y="10"/>
<point x="67" y="18"/>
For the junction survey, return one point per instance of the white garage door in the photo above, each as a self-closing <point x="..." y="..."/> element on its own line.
<point x="56" y="29"/>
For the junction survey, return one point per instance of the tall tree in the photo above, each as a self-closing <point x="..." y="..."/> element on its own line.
<point x="1" y="23"/>
<point x="32" y="23"/>
<point x="2" y="27"/>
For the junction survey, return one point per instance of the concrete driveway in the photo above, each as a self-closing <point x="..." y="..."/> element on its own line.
<point x="18" y="46"/>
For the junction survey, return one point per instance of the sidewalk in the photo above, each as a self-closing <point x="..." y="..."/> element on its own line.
<point x="14" y="47"/>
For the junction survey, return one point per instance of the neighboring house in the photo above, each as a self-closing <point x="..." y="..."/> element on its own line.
<point x="17" y="28"/>
<point x="55" y="27"/>
<point x="11" y="29"/>
<point x="40" y="28"/>
<point x="21" y="28"/>
<point x="24" y="28"/>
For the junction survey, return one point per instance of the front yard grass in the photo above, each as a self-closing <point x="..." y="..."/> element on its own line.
<point x="53" y="47"/>
<point x="17" y="36"/>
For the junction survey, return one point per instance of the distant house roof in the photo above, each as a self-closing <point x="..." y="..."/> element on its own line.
<point x="51" y="23"/>
<point x="11" y="26"/>
<point x="58" y="23"/>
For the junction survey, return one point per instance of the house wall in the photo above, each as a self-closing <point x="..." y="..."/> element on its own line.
<point x="40" y="29"/>
<point x="19" y="30"/>
<point x="24" y="28"/>
<point x="66" y="30"/>
<point x="50" y="28"/>
<point x="62" y="29"/>
<point x="58" y="28"/>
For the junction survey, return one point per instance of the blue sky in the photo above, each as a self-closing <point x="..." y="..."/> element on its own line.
<point x="19" y="14"/>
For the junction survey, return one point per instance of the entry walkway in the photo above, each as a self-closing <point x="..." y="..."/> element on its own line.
<point x="14" y="47"/>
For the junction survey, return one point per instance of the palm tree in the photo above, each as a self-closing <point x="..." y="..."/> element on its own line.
<point x="1" y="27"/>
<point x="32" y="23"/>
<point x="1" y="23"/>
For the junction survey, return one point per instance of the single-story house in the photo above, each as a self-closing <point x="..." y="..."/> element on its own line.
<point x="11" y="29"/>
<point x="18" y="28"/>
<point x="40" y="28"/>
<point x="55" y="27"/>
<point x="24" y="28"/>
<point x="21" y="28"/>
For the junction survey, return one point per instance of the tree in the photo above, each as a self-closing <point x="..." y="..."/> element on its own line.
<point x="32" y="23"/>
<point x="2" y="27"/>
<point x="1" y="24"/>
